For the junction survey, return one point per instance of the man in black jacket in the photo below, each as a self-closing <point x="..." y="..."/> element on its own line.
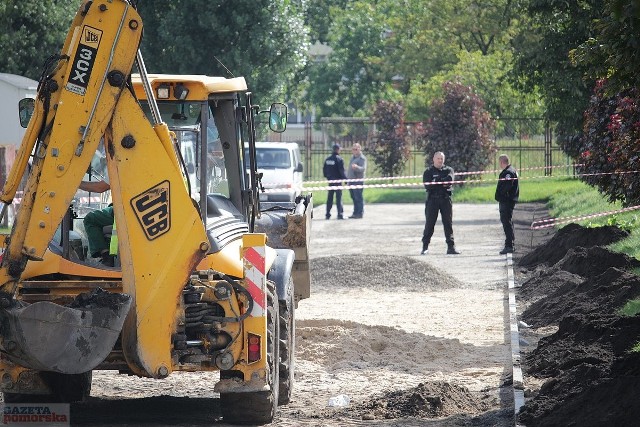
<point x="437" y="180"/>
<point x="333" y="170"/>
<point x="507" y="193"/>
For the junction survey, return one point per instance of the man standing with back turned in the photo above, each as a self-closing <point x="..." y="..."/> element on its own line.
<point x="333" y="170"/>
<point x="507" y="193"/>
<point x="437" y="180"/>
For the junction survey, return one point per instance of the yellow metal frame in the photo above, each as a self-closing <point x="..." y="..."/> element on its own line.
<point x="161" y="235"/>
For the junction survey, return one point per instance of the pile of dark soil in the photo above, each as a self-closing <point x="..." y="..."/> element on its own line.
<point x="591" y="376"/>
<point x="571" y="236"/>
<point x="426" y="400"/>
<point x="430" y="403"/>
<point x="99" y="298"/>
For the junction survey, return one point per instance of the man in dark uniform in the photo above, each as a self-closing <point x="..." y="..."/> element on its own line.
<point x="437" y="180"/>
<point x="333" y="170"/>
<point x="507" y="193"/>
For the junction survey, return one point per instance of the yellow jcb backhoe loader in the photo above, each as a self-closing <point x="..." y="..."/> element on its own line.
<point x="196" y="287"/>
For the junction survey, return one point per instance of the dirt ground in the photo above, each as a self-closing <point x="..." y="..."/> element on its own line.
<point x="416" y="340"/>
<point x="572" y="292"/>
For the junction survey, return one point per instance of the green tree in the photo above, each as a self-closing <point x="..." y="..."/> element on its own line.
<point x="425" y="38"/>
<point x="419" y="39"/>
<point x="390" y="148"/>
<point x="482" y="25"/>
<point x="613" y="52"/>
<point x="385" y="48"/>
<point x="553" y="29"/>
<point x="490" y="76"/>
<point x="350" y="81"/>
<point x="318" y="18"/>
<point x="263" y="40"/>
<point x="32" y="31"/>
<point x="459" y="126"/>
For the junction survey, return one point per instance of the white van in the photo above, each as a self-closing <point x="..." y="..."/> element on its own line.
<point x="281" y="166"/>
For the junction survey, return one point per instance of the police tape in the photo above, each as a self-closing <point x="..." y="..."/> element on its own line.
<point x="552" y="222"/>
<point x="279" y="188"/>
<point x="391" y="178"/>
<point x="391" y="185"/>
<point x="536" y="225"/>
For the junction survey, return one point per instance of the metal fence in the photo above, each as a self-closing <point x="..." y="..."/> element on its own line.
<point x="528" y="142"/>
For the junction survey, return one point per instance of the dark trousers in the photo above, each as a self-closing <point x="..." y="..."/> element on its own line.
<point x="358" y="200"/>
<point x="338" y="194"/>
<point x="93" y="224"/>
<point x="444" y="206"/>
<point x="506" y="215"/>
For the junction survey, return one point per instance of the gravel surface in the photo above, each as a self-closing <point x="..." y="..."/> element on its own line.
<point x="382" y="272"/>
<point x="411" y="340"/>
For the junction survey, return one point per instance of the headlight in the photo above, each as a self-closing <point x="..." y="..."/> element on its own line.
<point x="163" y="91"/>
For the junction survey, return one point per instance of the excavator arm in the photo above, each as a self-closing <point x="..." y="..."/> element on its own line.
<point x="74" y="107"/>
<point x="83" y="99"/>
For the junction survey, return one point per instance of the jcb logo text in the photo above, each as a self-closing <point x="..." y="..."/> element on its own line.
<point x="152" y="208"/>
<point x="83" y="61"/>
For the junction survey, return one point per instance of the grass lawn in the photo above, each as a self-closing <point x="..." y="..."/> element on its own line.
<point x="536" y="189"/>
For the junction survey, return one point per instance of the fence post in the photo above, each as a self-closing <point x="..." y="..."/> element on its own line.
<point x="547" y="149"/>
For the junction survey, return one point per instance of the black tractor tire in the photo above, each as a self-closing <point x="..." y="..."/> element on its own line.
<point x="258" y="407"/>
<point x="287" y="345"/>
<point x="66" y="388"/>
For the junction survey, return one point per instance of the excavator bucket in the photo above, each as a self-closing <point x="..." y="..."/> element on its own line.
<point x="69" y="340"/>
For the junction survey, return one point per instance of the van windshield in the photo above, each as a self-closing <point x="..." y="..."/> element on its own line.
<point x="273" y="158"/>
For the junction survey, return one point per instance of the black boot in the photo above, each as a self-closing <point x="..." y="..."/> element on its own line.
<point x="452" y="251"/>
<point x="107" y="259"/>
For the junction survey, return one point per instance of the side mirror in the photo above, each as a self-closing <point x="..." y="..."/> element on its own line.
<point x="25" y="110"/>
<point x="299" y="168"/>
<point x="278" y="117"/>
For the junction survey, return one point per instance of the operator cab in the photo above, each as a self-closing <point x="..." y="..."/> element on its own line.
<point x="211" y="129"/>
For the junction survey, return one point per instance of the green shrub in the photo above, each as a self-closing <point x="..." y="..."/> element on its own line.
<point x="390" y="148"/>
<point x="459" y="126"/>
<point x="609" y="145"/>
